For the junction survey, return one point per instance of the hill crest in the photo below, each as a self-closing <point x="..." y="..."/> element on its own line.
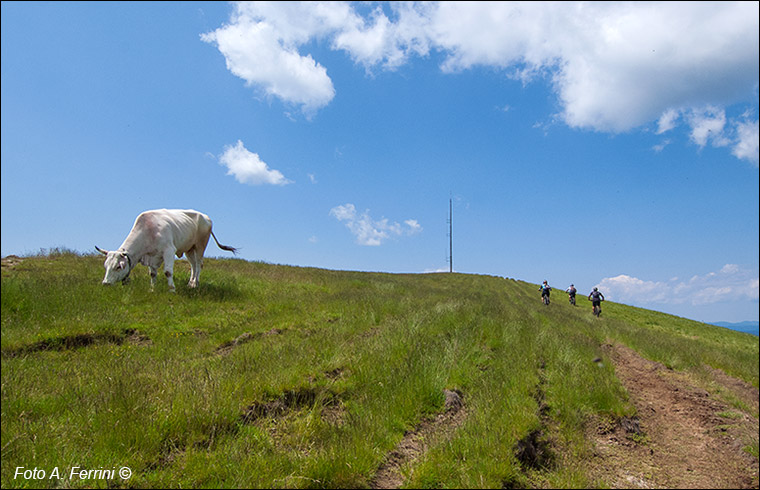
<point x="308" y="377"/>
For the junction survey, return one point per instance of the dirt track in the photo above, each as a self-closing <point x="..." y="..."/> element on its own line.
<point x="414" y="443"/>
<point x="688" y="438"/>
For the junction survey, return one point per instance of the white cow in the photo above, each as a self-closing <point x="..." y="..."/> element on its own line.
<point x="156" y="237"/>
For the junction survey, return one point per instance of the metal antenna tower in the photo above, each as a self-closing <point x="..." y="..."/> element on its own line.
<point x="451" y="237"/>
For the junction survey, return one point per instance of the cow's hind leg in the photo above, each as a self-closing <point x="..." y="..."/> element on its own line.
<point x="196" y="262"/>
<point x="195" y="256"/>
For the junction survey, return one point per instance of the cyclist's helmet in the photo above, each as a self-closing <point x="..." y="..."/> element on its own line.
<point x="596" y="289"/>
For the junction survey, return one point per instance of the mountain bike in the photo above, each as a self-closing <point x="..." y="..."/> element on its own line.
<point x="545" y="299"/>
<point x="597" y="310"/>
<point x="572" y="299"/>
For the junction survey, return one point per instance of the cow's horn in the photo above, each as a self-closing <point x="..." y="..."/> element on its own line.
<point x="104" y="252"/>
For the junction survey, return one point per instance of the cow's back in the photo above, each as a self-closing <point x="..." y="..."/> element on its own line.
<point x="189" y="228"/>
<point x="178" y="228"/>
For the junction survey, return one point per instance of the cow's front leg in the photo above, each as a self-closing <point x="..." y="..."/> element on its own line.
<point x="169" y="269"/>
<point x="153" y="274"/>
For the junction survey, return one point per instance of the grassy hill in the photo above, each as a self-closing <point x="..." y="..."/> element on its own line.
<point x="276" y="376"/>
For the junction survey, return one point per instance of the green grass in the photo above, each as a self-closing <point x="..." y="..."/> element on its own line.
<point x="104" y="377"/>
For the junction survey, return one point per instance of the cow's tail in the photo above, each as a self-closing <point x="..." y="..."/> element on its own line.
<point x="224" y="247"/>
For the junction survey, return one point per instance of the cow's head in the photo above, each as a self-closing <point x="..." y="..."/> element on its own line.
<point x="118" y="266"/>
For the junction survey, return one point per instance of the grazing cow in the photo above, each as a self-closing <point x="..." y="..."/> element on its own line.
<point x="156" y="237"/>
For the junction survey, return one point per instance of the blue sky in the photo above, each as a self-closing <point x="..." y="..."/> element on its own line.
<point x="601" y="144"/>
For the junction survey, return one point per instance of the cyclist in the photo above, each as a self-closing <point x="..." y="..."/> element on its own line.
<point x="545" y="291"/>
<point x="571" y="291"/>
<point x="596" y="297"/>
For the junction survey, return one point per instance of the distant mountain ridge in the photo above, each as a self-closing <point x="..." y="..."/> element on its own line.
<point x="747" y="327"/>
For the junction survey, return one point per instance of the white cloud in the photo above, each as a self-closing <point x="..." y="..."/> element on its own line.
<point x="260" y="46"/>
<point x="659" y="147"/>
<point x="708" y="124"/>
<point x="369" y="231"/>
<point x="731" y="283"/>
<point x="746" y="146"/>
<point x="667" y="121"/>
<point x="413" y="225"/>
<point x="369" y="44"/>
<point x="614" y="66"/>
<point x="248" y="168"/>
<point x="380" y="41"/>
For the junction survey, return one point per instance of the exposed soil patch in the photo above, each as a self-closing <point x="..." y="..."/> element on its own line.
<point x="681" y="438"/>
<point x="275" y="416"/>
<point x="289" y="400"/>
<point x="534" y="450"/>
<point x="336" y="373"/>
<point x="134" y="336"/>
<point x="226" y="348"/>
<point x="416" y="442"/>
<point x="266" y="415"/>
<point x="80" y="340"/>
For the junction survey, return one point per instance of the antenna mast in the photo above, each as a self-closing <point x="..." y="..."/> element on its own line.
<point x="451" y="237"/>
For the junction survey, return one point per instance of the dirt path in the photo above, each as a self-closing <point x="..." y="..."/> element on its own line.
<point x="415" y="443"/>
<point x="687" y="438"/>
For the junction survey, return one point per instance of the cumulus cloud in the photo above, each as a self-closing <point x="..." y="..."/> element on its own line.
<point x="613" y="66"/>
<point x="707" y="125"/>
<point x="710" y="126"/>
<point x="730" y="283"/>
<point x="248" y="168"/>
<point x="260" y="45"/>
<point x="413" y="225"/>
<point x="668" y="120"/>
<point x="748" y="136"/>
<point x="372" y="232"/>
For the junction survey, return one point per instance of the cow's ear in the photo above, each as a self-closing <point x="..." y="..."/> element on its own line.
<point x="104" y="252"/>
